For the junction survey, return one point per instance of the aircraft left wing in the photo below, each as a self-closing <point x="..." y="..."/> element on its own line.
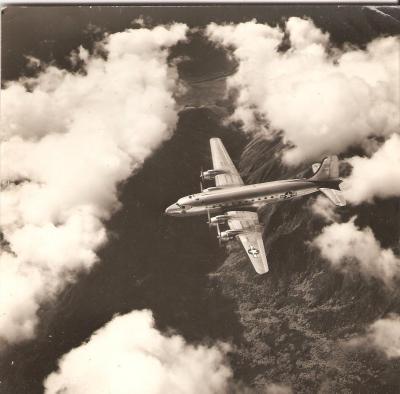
<point x="222" y="161"/>
<point x="251" y="238"/>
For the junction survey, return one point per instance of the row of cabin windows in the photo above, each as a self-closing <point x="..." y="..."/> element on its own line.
<point x="244" y="201"/>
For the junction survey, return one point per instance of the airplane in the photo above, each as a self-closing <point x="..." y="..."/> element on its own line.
<point x="233" y="203"/>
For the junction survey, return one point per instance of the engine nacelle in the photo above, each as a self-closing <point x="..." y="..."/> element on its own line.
<point x="229" y="235"/>
<point x="210" y="174"/>
<point x="219" y="219"/>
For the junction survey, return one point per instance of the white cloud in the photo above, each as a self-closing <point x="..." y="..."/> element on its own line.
<point x="275" y="388"/>
<point x="351" y="249"/>
<point x="377" y="176"/>
<point x="324" y="99"/>
<point x="68" y="140"/>
<point x="383" y="335"/>
<point x="128" y="355"/>
<point x="324" y="208"/>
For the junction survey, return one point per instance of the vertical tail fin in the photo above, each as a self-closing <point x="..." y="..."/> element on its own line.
<point x="329" y="169"/>
<point x="328" y="175"/>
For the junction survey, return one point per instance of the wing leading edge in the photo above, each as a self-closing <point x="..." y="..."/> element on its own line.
<point x="251" y="238"/>
<point x="222" y="161"/>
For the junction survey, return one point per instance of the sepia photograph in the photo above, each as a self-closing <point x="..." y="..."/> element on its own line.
<point x="200" y="198"/>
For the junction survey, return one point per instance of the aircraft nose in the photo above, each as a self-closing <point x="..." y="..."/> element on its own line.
<point x="172" y="210"/>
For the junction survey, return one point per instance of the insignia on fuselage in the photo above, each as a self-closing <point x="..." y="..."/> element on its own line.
<point x="288" y="194"/>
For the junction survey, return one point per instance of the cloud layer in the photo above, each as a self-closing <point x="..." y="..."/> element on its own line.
<point x="351" y="249"/>
<point x="69" y="139"/>
<point x="385" y="335"/>
<point x="128" y="355"/>
<point x="324" y="99"/>
<point x="377" y="176"/>
<point x="382" y="335"/>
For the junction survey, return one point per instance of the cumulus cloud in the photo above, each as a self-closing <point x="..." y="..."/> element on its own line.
<point x="383" y="335"/>
<point x="324" y="99"/>
<point x="275" y="388"/>
<point x="69" y="139"/>
<point x="377" y="176"/>
<point x="128" y="355"/>
<point x="324" y="208"/>
<point x="351" y="249"/>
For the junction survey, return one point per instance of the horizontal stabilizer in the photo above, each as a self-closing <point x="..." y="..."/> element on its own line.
<point x="334" y="195"/>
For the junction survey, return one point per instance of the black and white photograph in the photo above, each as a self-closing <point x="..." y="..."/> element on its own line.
<point x="200" y="198"/>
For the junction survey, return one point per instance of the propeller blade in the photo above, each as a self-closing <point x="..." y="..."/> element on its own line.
<point x="201" y="179"/>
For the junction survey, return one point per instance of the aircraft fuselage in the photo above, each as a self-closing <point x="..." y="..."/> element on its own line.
<point x="245" y="197"/>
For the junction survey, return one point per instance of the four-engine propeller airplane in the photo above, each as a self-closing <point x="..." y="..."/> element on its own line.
<point x="235" y="204"/>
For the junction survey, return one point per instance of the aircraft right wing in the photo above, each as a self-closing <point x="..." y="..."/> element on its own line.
<point x="251" y="238"/>
<point x="222" y="161"/>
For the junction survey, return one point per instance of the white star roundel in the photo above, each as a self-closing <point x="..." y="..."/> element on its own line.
<point x="253" y="251"/>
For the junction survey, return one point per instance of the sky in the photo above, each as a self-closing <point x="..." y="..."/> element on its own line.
<point x="106" y="115"/>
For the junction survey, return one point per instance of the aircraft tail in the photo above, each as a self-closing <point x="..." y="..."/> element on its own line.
<point x="329" y="169"/>
<point x="326" y="175"/>
<point x="334" y="196"/>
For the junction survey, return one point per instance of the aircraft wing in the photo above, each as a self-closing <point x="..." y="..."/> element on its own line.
<point x="222" y="161"/>
<point x="252" y="238"/>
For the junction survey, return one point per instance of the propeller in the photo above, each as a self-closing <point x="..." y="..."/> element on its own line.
<point x="219" y="235"/>
<point x="201" y="179"/>
<point x="209" y="219"/>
